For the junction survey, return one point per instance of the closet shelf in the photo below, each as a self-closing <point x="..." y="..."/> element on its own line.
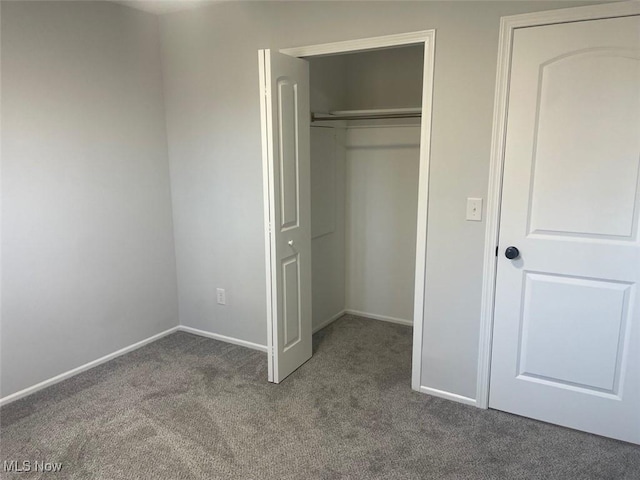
<point x="378" y="114"/>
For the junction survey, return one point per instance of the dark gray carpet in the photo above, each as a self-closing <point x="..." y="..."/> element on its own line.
<point x="187" y="407"/>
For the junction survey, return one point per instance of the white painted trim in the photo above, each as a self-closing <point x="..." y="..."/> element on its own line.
<point x="1" y="209"/>
<point x="360" y="45"/>
<point x="374" y="111"/>
<point x="383" y="318"/>
<point x="386" y="126"/>
<point x="427" y="38"/>
<point x="423" y="207"/>
<point x="572" y="14"/>
<point x="269" y="202"/>
<point x="87" y="366"/>
<point x="448" y="396"/>
<point x="507" y="27"/>
<point x="493" y="215"/>
<point x="82" y="368"/>
<point x="400" y="136"/>
<point x="329" y="321"/>
<point x="223" y="338"/>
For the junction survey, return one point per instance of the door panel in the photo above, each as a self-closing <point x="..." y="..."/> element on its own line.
<point x="291" y="301"/>
<point x="572" y="330"/>
<point x="566" y="344"/>
<point x="288" y="154"/>
<point x="286" y="157"/>
<point x="574" y="191"/>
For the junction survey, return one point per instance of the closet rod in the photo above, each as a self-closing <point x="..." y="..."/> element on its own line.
<point x="323" y="117"/>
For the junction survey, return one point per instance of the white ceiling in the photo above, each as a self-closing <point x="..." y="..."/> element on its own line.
<point x="164" y="6"/>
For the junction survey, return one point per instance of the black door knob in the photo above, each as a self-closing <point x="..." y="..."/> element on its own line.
<point x="512" y="253"/>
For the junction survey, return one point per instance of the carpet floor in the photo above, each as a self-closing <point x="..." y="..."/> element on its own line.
<point x="187" y="407"/>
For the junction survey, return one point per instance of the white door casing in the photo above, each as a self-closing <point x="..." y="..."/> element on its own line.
<point x="566" y="332"/>
<point x="284" y="88"/>
<point x="267" y="67"/>
<point x="426" y="38"/>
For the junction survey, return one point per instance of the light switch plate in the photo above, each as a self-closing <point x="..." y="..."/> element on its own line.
<point x="221" y="296"/>
<point x="474" y="209"/>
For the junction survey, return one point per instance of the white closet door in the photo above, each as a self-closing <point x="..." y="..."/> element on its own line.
<point x="566" y="345"/>
<point x="285" y="137"/>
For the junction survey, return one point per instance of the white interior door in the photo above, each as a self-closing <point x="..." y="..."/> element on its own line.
<point x="284" y="85"/>
<point x="566" y="341"/>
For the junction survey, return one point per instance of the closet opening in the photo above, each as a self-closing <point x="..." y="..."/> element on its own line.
<point x="365" y="165"/>
<point x="346" y="131"/>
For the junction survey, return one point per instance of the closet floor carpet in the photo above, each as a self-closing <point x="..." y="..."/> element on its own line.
<point x="187" y="407"/>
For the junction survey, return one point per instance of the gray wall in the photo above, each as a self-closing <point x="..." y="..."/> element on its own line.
<point x="389" y="78"/>
<point x="211" y="79"/>
<point x="88" y="263"/>
<point x="328" y="83"/>
<point x="382" y="170"/>
<point x="327" y="224"/>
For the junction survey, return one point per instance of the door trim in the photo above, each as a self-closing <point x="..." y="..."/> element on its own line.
<point x="268" y="199"/>
<point x="426" y="38"/>
<point x="494" y="195"/>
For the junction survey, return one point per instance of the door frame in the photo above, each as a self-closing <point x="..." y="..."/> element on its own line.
<point x="494" y="196"/>
<point x="427" y="39"/>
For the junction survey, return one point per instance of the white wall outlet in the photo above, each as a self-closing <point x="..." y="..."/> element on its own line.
<point x="474" y="209"/>
<point x="221" y="296"/>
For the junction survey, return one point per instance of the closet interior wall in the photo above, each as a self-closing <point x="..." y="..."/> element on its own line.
<point x="364" y="185"/>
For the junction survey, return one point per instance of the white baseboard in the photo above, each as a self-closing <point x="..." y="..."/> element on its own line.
<point x="329" y="321"/>
<point x="223" y="338"/>
<point x="449" y="396"/>
<point x="383" y="318"/>
<point x="75" y="371"/>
